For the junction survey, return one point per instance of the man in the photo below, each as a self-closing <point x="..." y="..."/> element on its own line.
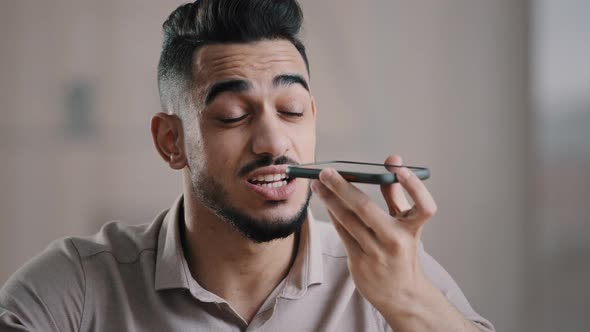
<point x="239" y="249"/>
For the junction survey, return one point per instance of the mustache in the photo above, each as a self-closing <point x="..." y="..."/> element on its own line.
<point x="263" y="162"/>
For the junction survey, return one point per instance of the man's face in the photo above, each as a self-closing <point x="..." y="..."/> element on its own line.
<point x="255" y="115"/>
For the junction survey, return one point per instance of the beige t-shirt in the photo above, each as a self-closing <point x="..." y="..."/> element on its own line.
<point x="136" y="278"/>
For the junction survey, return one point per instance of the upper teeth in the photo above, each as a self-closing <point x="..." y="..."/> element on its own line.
<point x="269" y="177"/>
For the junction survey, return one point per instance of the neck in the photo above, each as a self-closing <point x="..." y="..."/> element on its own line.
<point x="226" y="263"/>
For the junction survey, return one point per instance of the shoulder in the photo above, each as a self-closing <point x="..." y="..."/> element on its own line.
<point x="63" y="258"/>
<point x="442" y="280"/>
<point x="58" y="262"/>
<point x="49" y="292"/>
<point x="124" y="242"/>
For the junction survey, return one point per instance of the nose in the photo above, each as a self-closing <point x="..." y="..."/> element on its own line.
<point x="270" y="136"/>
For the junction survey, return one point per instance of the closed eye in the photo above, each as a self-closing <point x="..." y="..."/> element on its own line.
<point x="233" y="120"/>
<point x="294" y="114"/>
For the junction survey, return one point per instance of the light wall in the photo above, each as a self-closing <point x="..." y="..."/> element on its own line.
<point x="443" y="83"/>
<point x="560" y="89"/>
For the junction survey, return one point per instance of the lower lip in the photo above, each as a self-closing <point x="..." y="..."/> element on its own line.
<point x="274" y="194"/>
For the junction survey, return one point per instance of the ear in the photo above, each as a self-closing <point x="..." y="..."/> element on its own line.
<point x="168" y="138"/>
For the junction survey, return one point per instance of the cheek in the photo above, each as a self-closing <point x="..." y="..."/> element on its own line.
<point x="305" y="141"/>
<point x="222" y="152"/>
<point x="193" y="148"/>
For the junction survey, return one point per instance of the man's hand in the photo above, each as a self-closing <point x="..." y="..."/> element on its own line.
<point x="383" y="248"/>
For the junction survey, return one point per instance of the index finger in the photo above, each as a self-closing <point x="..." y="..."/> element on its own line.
<point x="356" y="200"/>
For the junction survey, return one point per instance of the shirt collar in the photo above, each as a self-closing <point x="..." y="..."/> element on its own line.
<point x="170" y="261"/>
<point x="172" y="269"/>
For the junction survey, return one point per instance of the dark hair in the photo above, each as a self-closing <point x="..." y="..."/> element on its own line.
<point x="204" y="22"/>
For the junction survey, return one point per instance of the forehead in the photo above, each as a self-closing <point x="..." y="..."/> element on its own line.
<point x="256" y="61"/>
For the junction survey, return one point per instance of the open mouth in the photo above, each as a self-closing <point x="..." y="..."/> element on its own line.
<point x="271" y="180"/>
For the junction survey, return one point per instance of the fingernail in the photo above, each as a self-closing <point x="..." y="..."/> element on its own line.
<point x="326" y="174"/>
<point x="403" y="173"/>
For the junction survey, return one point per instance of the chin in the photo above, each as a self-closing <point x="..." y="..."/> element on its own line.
<point x="277" y="210"/>
<point x="267" y="220"/>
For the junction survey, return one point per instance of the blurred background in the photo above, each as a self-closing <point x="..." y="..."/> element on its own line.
<point x="493" y="96"/>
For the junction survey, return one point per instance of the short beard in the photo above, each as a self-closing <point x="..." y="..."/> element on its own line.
<point x="213" y="196"/>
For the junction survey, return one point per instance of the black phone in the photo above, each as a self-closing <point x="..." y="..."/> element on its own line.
<point x="354" y="171"/>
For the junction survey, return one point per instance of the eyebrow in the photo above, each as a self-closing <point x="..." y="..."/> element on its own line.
<point x="283" y="80"/>
<point x="288" y="79"/>
<point x="226" y="86"/>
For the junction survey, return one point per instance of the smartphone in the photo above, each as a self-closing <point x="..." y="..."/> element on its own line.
<point x="354" y="171"/>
